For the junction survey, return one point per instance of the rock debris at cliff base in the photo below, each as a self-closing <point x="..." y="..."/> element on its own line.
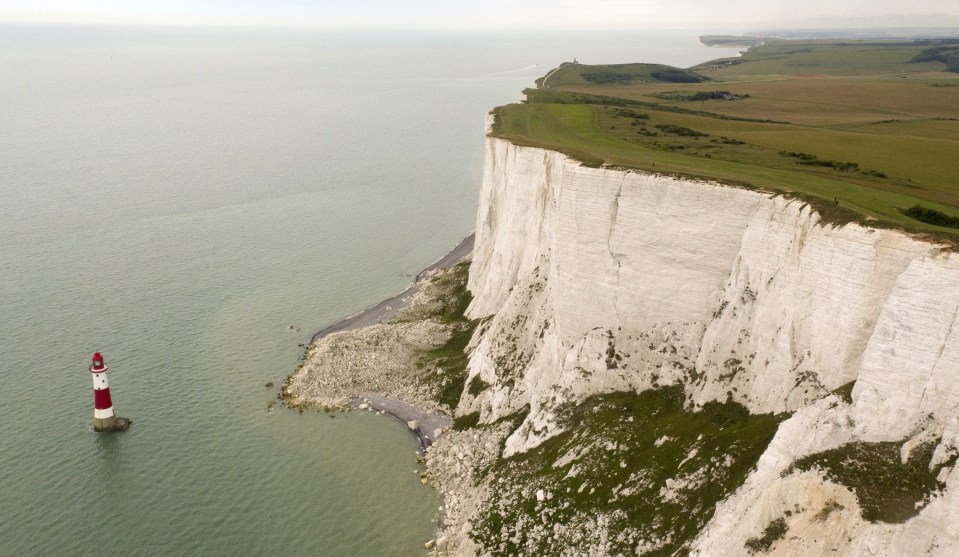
<point x="375" y="359"/>
<point x="397" y="359"/>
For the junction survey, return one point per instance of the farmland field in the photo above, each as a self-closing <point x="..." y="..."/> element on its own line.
<point x="864" y="130"/>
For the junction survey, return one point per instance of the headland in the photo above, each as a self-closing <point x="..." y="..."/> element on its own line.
<point x="709" y="311"/>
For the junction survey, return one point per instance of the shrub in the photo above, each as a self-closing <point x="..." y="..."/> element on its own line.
<point x="607" y="77"/>
<point x="774" y="531"/>
<point x="948" y="55"/>
<point x="931" y="216"/>
<point x="676" y="76"/>
<point x="887" y="489"/>
<point x="679" y="130"/>
<point x="462" y="423"/>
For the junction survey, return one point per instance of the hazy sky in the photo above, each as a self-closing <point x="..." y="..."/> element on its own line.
<point x="741" y="15"/>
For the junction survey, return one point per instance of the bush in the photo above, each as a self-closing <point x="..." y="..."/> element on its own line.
<point x="606" y="78"/>
<point x="676" y="76"/>
<point x="931" y="216"/>
<point x="813" y="160"/>
<point x="948" y="55"/>
<point x="887" y="489"/>
<point x="679" y="130"/>
<point x="774" y="531"/>
<point x="477" y="386"/>
<point x="463" y="423"/>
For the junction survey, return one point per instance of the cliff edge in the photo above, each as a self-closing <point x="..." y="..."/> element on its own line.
<point x="595" y="281"/>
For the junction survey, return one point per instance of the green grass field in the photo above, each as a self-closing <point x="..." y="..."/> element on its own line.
<point x="859" y="122"/>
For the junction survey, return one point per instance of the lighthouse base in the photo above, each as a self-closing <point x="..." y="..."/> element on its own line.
<point x="113" y="423"/>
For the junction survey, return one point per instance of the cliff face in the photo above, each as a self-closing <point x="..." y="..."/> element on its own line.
<point x="599" y="280"/>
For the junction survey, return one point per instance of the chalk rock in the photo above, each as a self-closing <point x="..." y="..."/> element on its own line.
<point x="595" y="280"/>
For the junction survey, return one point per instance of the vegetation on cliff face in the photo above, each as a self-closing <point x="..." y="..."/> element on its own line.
<point x="888" y="489"/>
<point x="443" y="369"/>
<point x="775" y="530"/>
<point x="632" y="469"/>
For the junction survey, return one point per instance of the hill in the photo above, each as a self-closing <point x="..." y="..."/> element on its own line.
<point x="865" y="130"/>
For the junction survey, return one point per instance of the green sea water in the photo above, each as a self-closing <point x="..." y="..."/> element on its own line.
<point x="178" y="199"/>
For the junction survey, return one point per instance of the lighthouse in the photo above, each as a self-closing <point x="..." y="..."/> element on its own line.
<point x="103" y="417"/>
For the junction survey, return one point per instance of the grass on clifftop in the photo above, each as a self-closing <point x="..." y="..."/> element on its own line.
<point x="862" y="130"/>
<point x="639" y="463"/>
<point x="618" y="74"/>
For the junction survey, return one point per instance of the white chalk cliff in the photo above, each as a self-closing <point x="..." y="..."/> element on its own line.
<point x="732" y="293"/>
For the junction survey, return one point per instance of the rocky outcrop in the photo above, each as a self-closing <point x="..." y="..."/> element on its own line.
<point x="595" y="280"/>
<point x="380" y="358"/>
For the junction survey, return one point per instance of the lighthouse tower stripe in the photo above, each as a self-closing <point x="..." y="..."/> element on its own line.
<point x="101" y="399"/>
<point x="101" y="393"/>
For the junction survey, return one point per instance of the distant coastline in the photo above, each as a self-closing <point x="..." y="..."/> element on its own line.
<point x="732" y="41"/>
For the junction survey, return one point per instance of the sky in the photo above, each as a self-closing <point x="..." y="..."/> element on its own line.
<point x="707" y="15"/>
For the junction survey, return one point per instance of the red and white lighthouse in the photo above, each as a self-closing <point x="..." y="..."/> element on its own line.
<point x="103" y="417"/>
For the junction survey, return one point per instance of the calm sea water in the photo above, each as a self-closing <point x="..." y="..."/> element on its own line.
<point x="177" y="199"/>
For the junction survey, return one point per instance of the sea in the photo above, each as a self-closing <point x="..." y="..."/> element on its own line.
<point x="194" y="203"/>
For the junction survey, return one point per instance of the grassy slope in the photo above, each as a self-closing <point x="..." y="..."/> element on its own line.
<point x="622" y="452"/>
<point x="861" y="102"/>
<point x="621" y="74"/>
